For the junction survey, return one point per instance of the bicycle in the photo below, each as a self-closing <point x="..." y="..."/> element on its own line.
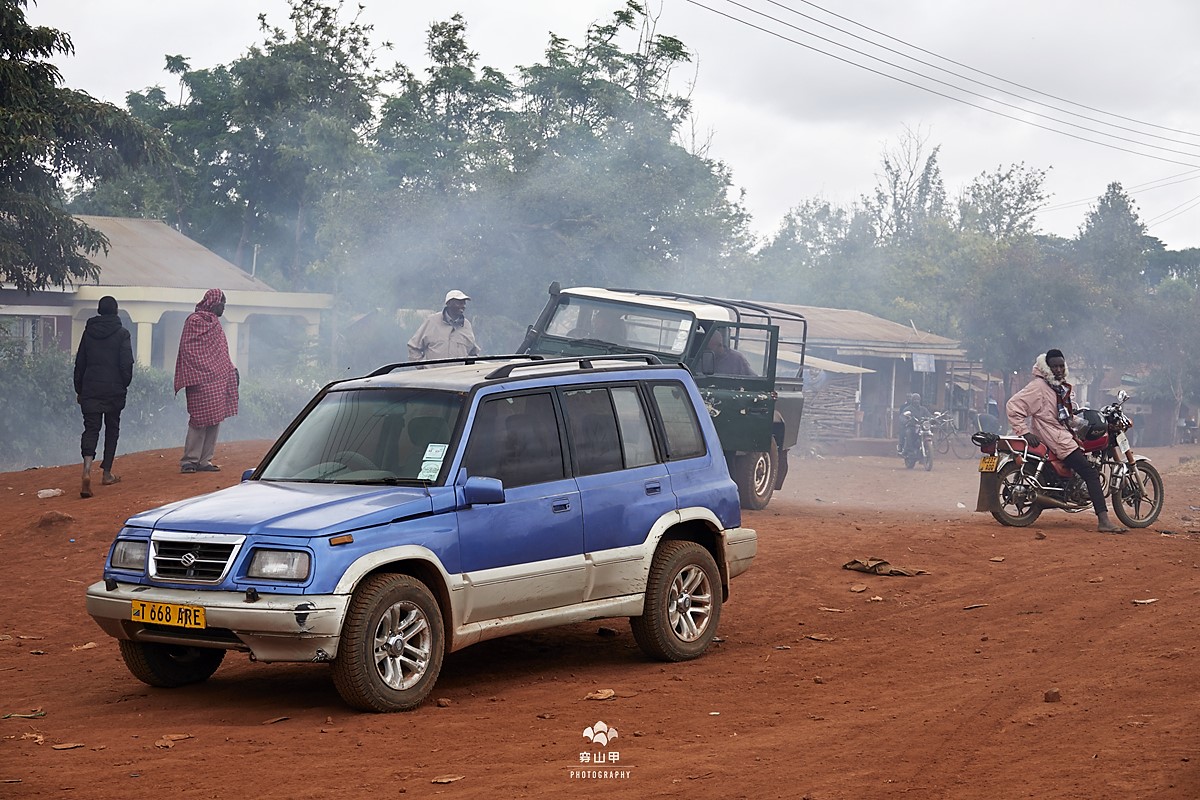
<point x="948" y="438"/>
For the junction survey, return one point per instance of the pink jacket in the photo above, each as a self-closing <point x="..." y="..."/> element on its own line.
<point x="1035" y="408"/>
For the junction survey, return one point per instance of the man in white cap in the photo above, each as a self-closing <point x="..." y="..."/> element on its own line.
<point x="446" y="333"/>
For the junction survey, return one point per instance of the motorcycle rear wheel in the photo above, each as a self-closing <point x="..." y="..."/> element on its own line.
<point x="1137" y="498"/>
<point x="1017" y="503"/>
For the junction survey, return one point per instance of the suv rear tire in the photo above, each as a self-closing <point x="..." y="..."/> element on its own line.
<point x="683" y="603"/>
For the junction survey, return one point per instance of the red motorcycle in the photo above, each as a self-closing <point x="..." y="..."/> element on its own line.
<point x="1017" y="482"/>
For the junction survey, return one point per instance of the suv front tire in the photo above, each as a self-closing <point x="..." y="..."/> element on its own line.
<point x="392" y="645"/>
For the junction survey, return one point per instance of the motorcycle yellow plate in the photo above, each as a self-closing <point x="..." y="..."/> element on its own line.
<point x="988" y="463"/>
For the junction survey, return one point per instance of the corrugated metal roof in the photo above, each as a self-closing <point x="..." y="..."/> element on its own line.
<point x="146" y="252"/>
<point x="860" y="333"/>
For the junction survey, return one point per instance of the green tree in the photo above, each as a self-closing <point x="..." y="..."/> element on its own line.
<point x="49" y="133"/>
<point x="1160" y="328"/>
<point x="259" y="144"/>
<point x="909" y="193"/>
<point x="1112" y="251"/>
<point x="573" y="172"/>
<point x="808" y="260"/>
<point x="1112" y="241"/>
<point x="1004" y="203"/>
<point x="1025" y="298"/>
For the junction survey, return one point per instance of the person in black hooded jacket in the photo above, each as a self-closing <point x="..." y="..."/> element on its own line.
<point x="103" y="370"/>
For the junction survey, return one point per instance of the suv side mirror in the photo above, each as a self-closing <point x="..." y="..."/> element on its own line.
<point x="481" y="491"/>
<point x="708" y="362"/>
<point x="246" y="475"/>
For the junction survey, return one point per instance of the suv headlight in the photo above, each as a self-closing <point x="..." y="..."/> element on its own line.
<point x="286" y="565"/>
<point x="130" y="554"/>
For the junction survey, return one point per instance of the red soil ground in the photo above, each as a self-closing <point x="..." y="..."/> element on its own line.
<point x="1019" y="665"/>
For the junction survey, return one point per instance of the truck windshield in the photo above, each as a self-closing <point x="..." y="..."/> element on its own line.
<point x="623" y="324"/>
<point x="396" y="435"/>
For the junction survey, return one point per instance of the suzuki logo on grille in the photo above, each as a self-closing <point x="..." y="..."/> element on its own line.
<point x="188" y="560"/>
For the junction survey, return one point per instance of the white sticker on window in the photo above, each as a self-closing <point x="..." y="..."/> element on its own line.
<point x="435" y="452"/>
<point x="681" y="336"/>
<point x="429" y="470"/>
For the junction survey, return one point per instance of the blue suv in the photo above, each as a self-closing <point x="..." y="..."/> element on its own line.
<point x="418" y="510"/>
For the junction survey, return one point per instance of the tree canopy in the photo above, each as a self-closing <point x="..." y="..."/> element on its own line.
<point x="388" y="184"/>
<point x="49" y="133"/>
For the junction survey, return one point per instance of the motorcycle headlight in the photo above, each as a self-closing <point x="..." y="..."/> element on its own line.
<point x="130" y="554"/>
<point x="283" y="565"/>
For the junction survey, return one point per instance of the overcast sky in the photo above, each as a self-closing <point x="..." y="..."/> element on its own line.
<point x="791" y="122"/>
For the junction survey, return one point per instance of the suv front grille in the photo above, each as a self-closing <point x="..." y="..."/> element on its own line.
<point x="193" y="557"/>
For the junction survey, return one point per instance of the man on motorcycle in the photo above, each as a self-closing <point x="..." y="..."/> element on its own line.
<point x="1041" y="411"/>
<point x="908" y="425"/>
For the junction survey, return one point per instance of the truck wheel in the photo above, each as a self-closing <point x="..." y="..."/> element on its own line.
<point x="683" y="603"/>
<point x="754" y="474"/>
<point x="391" y="647"/>
<point x="169" y="666"/>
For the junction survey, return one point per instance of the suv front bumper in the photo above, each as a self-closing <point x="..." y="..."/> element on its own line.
<point x="271" y="628"/>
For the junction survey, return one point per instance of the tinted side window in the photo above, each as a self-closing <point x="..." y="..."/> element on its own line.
<point x="516" y="440"/>
<point x="636" y="443"/>
<point x="593" y="430"/>
<point x="682" y="429"/>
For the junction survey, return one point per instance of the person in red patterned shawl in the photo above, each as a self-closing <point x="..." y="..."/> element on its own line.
<point x="205" y="370"/>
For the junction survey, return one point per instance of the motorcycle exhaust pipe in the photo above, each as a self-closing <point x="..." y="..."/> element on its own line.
<point x="1045" y="501"/>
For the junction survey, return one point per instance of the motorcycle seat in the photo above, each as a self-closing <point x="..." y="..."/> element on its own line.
<point x="1021" y="447"/>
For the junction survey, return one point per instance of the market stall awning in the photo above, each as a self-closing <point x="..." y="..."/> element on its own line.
<point x="834" y="366"/>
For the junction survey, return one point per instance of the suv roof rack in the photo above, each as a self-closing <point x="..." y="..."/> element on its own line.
<point x="587" y="362"/>
<point x="752" y="311"/>
<point x="467" y="361"/>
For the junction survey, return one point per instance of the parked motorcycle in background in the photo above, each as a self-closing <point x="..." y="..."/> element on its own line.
<point x="1017" y="482"/>
<point x="918" y="441"/>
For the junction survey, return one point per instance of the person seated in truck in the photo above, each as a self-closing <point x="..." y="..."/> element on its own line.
<point x="726" y="360"/>
<point x="602" y="324"/>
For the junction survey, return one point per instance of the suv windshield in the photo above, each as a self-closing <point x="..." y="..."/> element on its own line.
<point x="629" y="326"/>
<point x="369" y="436"/>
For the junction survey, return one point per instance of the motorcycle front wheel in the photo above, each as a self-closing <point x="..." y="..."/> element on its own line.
<point x="1137" y="498"/>
<point x="928" y="458"/>
<point x="1017" y="504"/>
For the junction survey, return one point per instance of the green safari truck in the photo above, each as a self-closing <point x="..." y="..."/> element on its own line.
<point x="747" y="358"/>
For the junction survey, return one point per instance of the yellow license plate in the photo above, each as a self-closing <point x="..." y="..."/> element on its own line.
<point x="988" y="463"/>
<point x="168" y="614"/>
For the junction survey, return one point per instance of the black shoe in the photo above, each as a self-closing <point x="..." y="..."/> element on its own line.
<point x="207" y="468"/>
<point x="188" y="468"/>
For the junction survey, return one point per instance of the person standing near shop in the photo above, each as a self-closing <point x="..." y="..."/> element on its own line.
<point x="446" y="333"/>
<point x="103" y="371"/>
<point x="205" y="370"/>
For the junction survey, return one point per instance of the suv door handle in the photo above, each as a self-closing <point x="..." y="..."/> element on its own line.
<point x="559" y="506"/>
<point x="653" y="487"/>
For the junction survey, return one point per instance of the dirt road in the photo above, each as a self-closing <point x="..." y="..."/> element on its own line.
<point x="1019" y="663"/>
